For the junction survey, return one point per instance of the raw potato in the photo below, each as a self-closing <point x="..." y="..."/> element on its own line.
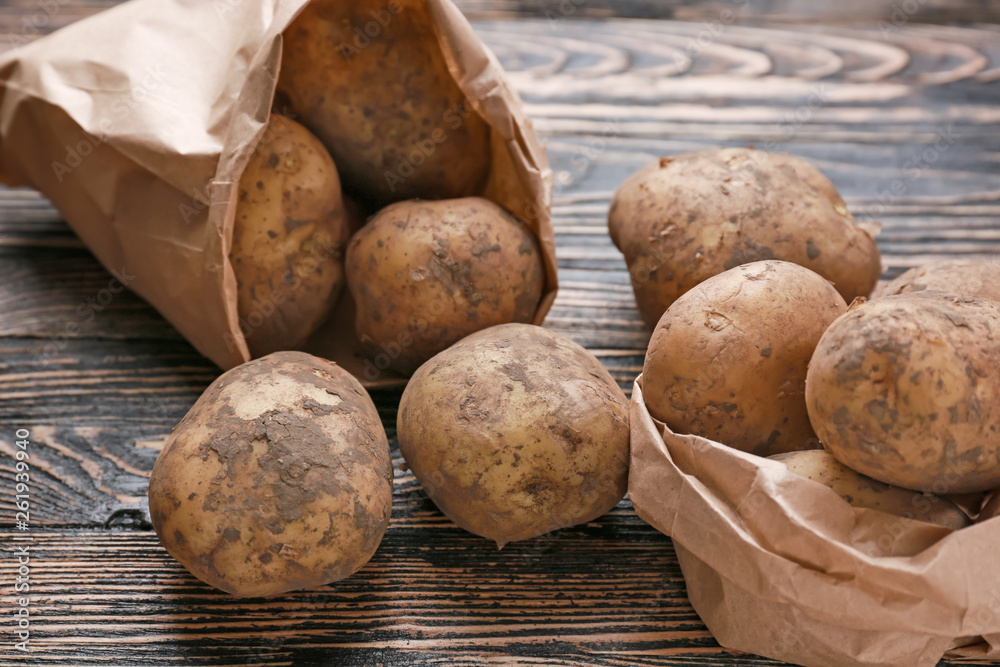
<point x="288" y="239"/>
<point x="278" y="479"/>
<point x="977" y="278"/>
<point x="727" y="361"/>
<point x="904" y="389"/>
<point x="689" y="217"/>
<point x="516" y="431"/>
<point x="426" y="274"/>
<point x="384" y="103"/>
<point x="861" y="491"/>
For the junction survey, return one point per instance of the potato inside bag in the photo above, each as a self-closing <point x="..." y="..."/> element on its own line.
<point x="782" y="566"/>
<point x="137" y="123"/>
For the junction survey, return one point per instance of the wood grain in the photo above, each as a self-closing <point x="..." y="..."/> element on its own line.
<point x="863" y="96"/>
<point x="598" y="594"/>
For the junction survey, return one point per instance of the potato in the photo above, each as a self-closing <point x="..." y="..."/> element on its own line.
<point x="369" y="78"/>
<point x="904" y="389"/>
<point x="278" y="479"/>
<point x="426" y="274"/>
<point x="728" y="359"/>
<point x="861" y="491"/>
<point x="977" y="278"/>
<point x="288" y="239"/>
<point x="516" y="431"/>
<point x="689" y="217"/>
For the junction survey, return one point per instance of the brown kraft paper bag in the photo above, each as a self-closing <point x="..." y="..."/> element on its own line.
<point x="782" y="566"/>
<point x="138" y="121"/>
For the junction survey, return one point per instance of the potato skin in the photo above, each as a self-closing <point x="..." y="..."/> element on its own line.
<point x="426" y="274"/>
<point x="957" y="276"/>
<point x="862" y="491"/>
<point x="516" y="431"/>
<point x="728" y="359"/>
<point x="288" y="239"/>
<point x="904" y="389"/>
<point x="278" y="479"/>
<point x="390" y="113"/>
<point x="689" y="217"/>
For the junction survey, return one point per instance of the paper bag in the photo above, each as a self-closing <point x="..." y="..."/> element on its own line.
<point x="137" y="123"/>
<point x="782" y="566"/>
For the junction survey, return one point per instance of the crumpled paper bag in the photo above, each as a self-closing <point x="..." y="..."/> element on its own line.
<point x="782" y="566"/>
<point x="137" y="123"/>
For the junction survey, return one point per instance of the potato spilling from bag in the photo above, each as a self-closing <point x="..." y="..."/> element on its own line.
<point x="905" y="389"/>
<point x="516" y="431"/>
<point x="728" y="359"/>
<point x="278" y="479"/>
<point x="426" y="274"/>
<point x="689" y="217"/>
<point x="368" y="77"/>
<point x="288" y="239"/>
<point x="977" y="278"/>
<point x="862" y="491"/>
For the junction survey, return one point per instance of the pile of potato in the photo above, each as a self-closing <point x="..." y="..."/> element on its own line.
<point x="391" y="135"/>
<point x="894" y="402"/>
<point x="279" y="478"/>
<point x="743" y="263"/>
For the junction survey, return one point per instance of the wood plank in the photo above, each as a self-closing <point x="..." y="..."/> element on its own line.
<point x="101" y="393"/>
<point x="607" y="593"/>
<point x="100" y="382"/>
<point x="100" y="596"/>
<point x="58" y="294"/>
<point x="28" y="18"/>
<point x="72" y="367"/>
<point x="795" y="11"/>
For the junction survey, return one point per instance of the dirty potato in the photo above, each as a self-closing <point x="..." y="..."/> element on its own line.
<point x="370" y="80"/>
<point x="728" y="359"/>
<point x="516" y="431"/>
<point x="426" y="274"/>
<point x="278" y="479"/>
<point x="979" y="278"/>
<point x="862" y="491"/>
<point x="904" y="389"/>
<point x="692" y="216"/>
<point x="288" y="239"/>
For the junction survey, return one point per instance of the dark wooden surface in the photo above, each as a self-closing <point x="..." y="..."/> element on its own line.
<point x="607" y="96"/>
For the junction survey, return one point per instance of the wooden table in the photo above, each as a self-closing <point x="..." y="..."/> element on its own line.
<point x="861" y="92"/>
